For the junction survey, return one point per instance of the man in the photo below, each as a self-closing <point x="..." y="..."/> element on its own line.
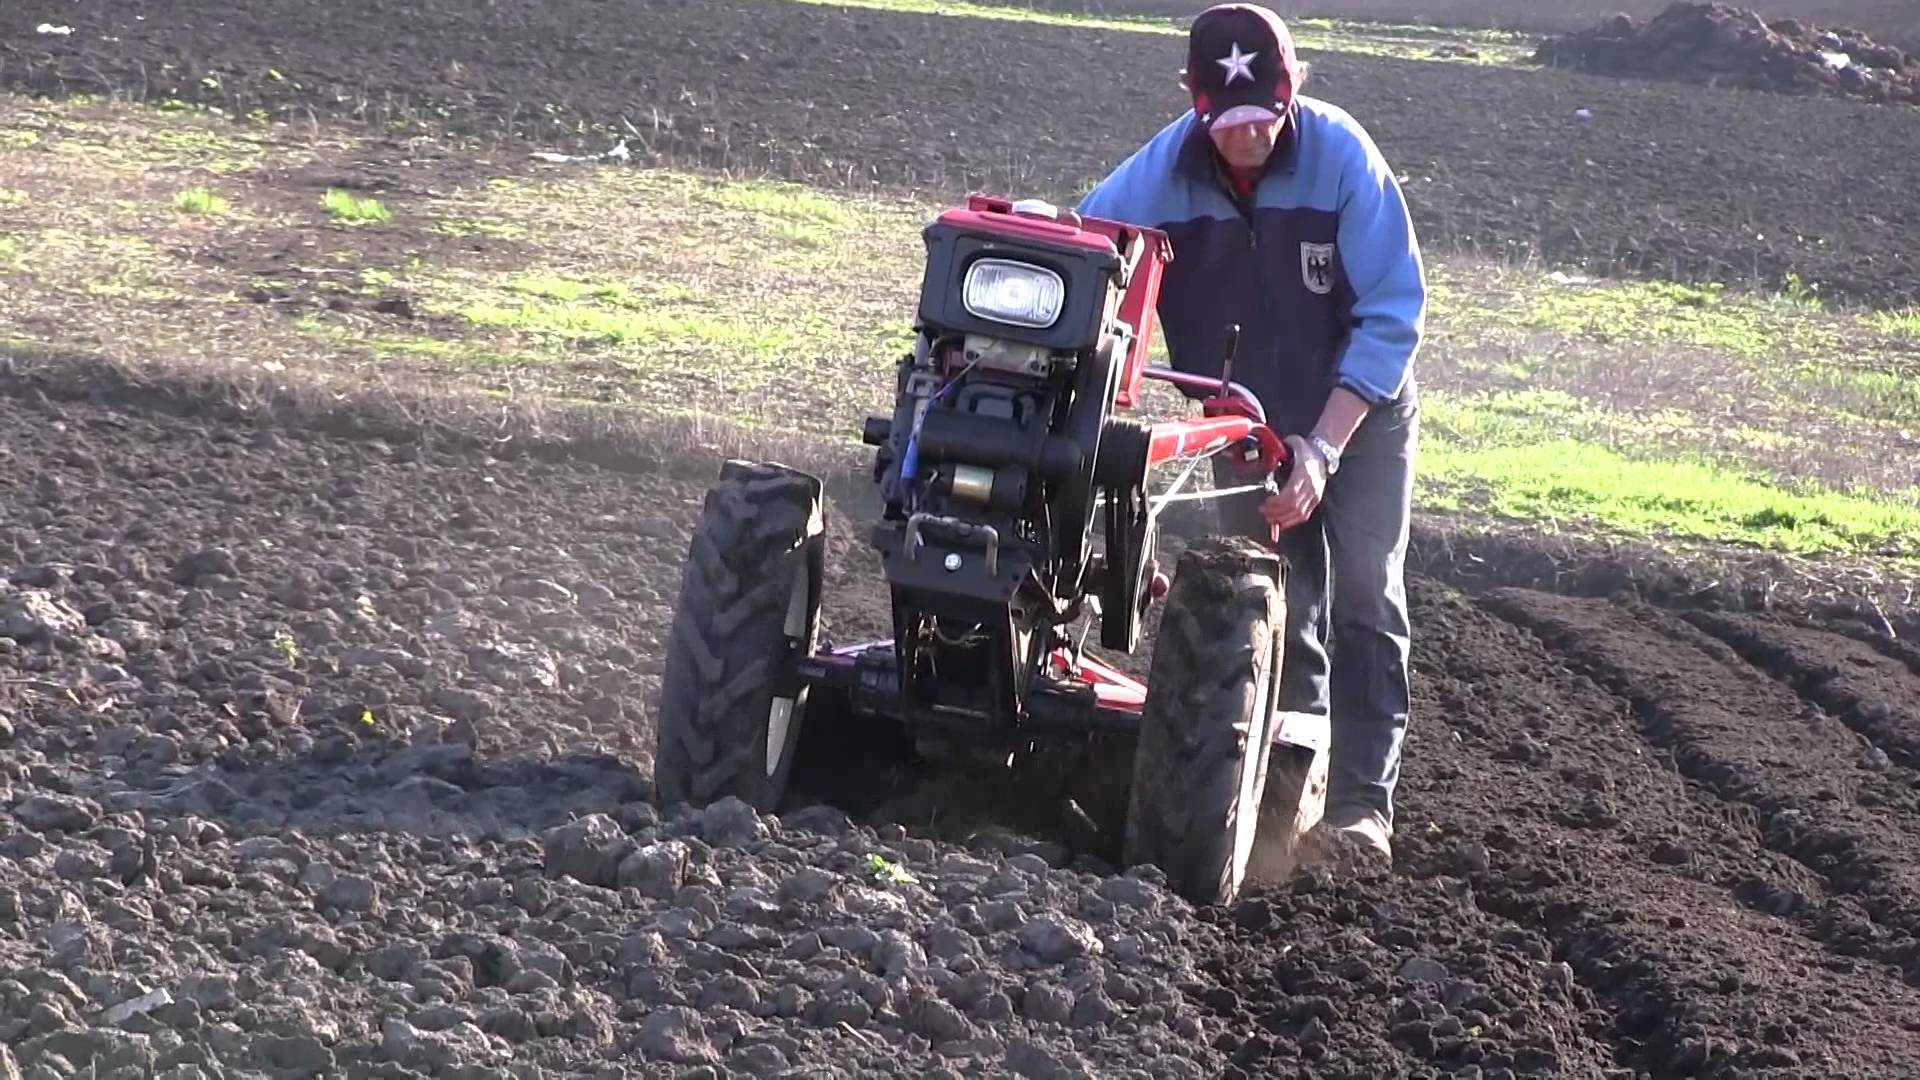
<point x="1286" y="220"/>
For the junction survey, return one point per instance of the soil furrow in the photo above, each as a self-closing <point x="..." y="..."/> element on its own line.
<point x="1751" y="741"/>
<point x="1666" y="909"/>
<point x="1873" y="693"/>
<point x="1568" y="906"/>
<point x="1895" y="648"/>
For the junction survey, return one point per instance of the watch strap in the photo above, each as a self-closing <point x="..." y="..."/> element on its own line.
<point x="1328" y="452"/>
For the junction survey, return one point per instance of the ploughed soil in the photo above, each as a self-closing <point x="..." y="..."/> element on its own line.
<point x="327" y="755"/>
<point x="1726" y="45"/>
<point x="1664" y="179"/>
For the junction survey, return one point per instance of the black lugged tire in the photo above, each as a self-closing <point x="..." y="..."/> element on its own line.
<point x="760" y="541"/>
<point x="1205" y="732"/>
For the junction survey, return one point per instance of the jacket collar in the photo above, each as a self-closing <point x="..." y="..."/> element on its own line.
<point x="1198" y="161"/>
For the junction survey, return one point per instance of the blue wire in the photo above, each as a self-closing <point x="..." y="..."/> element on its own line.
<point x="910" y="461"/>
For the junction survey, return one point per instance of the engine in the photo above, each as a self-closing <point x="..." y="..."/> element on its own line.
<point x="987" y="465"/>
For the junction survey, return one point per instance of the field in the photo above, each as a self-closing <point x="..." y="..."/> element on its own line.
<point x="1887" y="20"/>
<point x="351" y="450"/>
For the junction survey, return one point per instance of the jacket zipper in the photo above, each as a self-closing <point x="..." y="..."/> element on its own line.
<point x="1245" y="208"/>
<point x="1259" y="273"/>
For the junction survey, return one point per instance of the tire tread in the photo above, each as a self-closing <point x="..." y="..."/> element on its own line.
<point x="760" y="525"/>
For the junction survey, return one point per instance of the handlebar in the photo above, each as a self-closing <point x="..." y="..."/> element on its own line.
<point x="1187" y="380"/>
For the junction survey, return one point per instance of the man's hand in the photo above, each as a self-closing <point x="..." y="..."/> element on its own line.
<point x="1306" y="485"/>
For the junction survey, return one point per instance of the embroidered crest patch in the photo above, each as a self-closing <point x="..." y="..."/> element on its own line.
<point x="1316" y="267"/>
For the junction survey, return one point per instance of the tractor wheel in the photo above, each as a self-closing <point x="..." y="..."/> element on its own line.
<point x="729" y="724"/>
<point x="1200" y="764"/>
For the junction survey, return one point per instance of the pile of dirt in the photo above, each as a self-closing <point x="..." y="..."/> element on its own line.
<point x="1725" y="45"/>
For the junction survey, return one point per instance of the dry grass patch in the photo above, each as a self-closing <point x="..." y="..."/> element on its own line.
<point x="673" y="293"/>
<point x="1775" y="385"/>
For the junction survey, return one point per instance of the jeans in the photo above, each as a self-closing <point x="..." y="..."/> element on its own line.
<point x="1348" y="637"/>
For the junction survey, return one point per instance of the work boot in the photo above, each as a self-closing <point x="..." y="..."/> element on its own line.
<point x="1355" y="835"/>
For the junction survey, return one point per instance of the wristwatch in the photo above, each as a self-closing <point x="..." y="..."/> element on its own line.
<point x="1328" y="452"/>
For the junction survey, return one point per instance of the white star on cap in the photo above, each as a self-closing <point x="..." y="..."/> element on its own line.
<point x="1237" y="63"/>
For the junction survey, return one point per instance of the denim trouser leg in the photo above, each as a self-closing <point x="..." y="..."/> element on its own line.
<point x="1348" y="659"/>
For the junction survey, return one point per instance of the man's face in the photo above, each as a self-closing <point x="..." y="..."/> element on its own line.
<point x="1244" y="145"/>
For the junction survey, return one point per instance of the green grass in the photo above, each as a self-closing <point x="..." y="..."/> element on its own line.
<point x="1572" y="484"/>
<point x="634" y="327"/>
<point x="1660" y="310"/>
<point x="200" y="201"/>
<point x="558" y="288"/>
<point x="1785" y="356"/>
<point x="666" y="292"/>
<point x="1310" y="35"/>
<point x="213" y="150"/>
<point x="1537" y="405"/>
<point x="401" y="348"/>
<point x="797" y="228"/>
<point x="348" y="208"/>
<point x="1624" y="408"/>
<point x="795" y="203"/>
<point x="1900" y="323"/>
<point x="496" y="229"/>
<point x="1560" y="461"/>
<point x="1664" y="313"/>
<point x="562" y="314"/>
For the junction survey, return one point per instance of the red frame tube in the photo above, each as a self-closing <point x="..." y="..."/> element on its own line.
<point x="1112" y="688"/>
<point x="1232" y="414"/>
<point x="1180" y="438"/>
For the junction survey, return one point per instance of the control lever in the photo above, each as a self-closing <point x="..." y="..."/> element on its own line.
<point x="1270" y="484"/>
<point x="1226" y="367"/>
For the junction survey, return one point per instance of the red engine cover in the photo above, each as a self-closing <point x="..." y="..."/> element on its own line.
<point x="1145" y="252"/>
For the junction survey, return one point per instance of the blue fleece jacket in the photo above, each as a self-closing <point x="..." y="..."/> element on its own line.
<point x="1320" y="266"/>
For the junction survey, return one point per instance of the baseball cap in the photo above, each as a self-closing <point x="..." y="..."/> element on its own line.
<point x="1241" y="65"/>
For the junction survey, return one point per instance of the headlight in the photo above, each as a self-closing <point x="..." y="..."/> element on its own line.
<point x="1013" y="292"/>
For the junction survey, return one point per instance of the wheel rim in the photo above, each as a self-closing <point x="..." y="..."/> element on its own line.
<point x="781" y="712"/>
<point x="1246" y="821"/>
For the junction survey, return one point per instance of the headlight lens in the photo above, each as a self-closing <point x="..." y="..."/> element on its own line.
<point x="1013" y="292"/>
